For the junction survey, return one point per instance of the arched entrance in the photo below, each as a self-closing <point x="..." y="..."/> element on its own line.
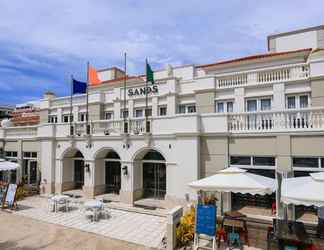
<point x="112" y="172"/>
<point x="154" y="175"/>
<point x="108" y="171"/>
<point x="73" y="170"/>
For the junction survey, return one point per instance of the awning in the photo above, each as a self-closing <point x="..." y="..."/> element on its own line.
<point x="7" y="165"/>
<point x="236" y="180"/>
<point x="308" y="191"/>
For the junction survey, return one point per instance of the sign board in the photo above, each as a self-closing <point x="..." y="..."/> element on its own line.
<point x="11" y="194"/>
<point x="151" y="89"/>
<point x="206" y="219"/>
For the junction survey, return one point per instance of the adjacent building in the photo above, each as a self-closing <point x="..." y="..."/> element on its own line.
<point x="264" y="113"/>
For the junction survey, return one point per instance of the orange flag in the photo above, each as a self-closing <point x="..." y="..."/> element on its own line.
<point x="93" y="76"/>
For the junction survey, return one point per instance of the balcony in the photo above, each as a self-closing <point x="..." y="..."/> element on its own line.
<point x="274" y="75"/>
<point x="277" y="121"/>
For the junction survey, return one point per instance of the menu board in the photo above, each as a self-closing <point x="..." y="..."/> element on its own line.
<point x="11" y="194"/>
<point x="206" y="219"/>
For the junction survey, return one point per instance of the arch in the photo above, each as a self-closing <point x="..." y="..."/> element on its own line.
<point x="141" y="153"/>
<point x="71" y="152"/>
<point x="102" y="153"/>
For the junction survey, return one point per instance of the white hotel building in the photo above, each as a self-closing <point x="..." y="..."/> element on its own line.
<point x="263" y="112"/>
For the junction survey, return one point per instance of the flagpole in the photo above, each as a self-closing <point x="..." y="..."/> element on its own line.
<point x="146" y="95"/>
<point x="124" y="110"/>
<point x="71" y="127"/>
<point x="87" y="105"/>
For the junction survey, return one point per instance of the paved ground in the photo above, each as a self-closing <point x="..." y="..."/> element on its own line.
<point x="22" y="233"/>
<point x="142" y="229"/>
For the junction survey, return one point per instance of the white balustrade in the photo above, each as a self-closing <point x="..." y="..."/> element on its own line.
<point x="290" y="73"/>
<point x="302" y="119"/>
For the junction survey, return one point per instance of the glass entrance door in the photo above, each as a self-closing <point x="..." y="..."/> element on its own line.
<point x="113" y="177"/>
<point x="154" y="180"/>
<point x="32" y="172"/>
<point x="78" y="173"/>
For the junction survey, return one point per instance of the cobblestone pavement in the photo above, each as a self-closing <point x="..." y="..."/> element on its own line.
<point x="143" y="229"/>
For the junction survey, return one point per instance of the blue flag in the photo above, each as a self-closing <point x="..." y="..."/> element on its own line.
<point x="79" y="87"/>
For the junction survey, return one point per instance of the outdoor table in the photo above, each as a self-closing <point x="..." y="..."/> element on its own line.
<point x="236" y="219"/>
<point x="288" y="233"/>
<point x="95" y="205"/>
<point x="58" y="199"/>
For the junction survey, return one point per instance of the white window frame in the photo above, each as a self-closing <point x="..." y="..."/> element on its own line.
<point x="297" y="100"/>
<point x="318" y="169"/>
<point x="68" y="116"/>
<point x="111" y="115"/>
<point x="252" y="166"/>
<point x="225" y="105"/>
<point x="166" y="110"/>
<point x="258" y="103"/>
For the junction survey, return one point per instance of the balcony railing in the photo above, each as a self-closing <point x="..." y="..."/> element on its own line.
<point x="289" y="73"/>
<point x="302" y="119"/>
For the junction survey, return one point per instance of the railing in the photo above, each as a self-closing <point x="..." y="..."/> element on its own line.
<point x="289" y="73"/>
<point x="307" y="119"/>
<point x="133" y="126"/>
<point x="25" y="131"/>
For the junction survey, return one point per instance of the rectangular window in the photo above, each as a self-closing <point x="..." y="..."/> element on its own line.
<point x="305" y="162"/>
<point x="30" y="154"/>
<point x="82" y="117"/>
<point x="240" y="160"/>
<point x="229" y="107"/>
<point x="124" y="114"/>
<point x="220" y="107"/>
<point x="303" y="101"/>
<point x="251" y="105"/>
<point x="192" y="109"/>
<point x="264" y="161"/>
<point x="181" y="109"/>
<point x="266" y="104"/>
<point x="163" y="111"/>
<point x="291" y="102"/>
<point x="109" y="115"/>
<point x="148" y="112"/>
<point x="65" y="118"/>
<point x="138" y="113"/>
<point x="52" y="119"/>
<point x="34" y="154"/>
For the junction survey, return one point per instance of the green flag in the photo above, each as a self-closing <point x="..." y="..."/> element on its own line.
<point x="149" y="74"/>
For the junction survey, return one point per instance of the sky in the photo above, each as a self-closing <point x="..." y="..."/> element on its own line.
<point x="42" y="43"/>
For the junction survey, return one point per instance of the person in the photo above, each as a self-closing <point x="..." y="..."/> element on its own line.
<point x="320" y="214"/>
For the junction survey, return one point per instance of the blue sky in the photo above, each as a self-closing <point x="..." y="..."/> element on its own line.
<point x="43" y="42"/>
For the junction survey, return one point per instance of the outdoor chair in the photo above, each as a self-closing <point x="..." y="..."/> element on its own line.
<point x="90" y="214"/>
<point x="50" y="204"/>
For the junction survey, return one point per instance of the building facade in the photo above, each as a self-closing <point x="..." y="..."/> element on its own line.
<point x="264" y="113"/>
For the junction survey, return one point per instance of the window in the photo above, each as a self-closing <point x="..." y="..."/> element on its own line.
<point x="253" y="161"/>
<point x="306" y="162"/>
<point x="264" y="161"/>
<point x="11" y="154"/>
<point x="192" y="109"/>
<point x="181" y="109"/>
<point x="163" y="111"/>
<point x="30" y="154"/>
<point x="291" y="102"/>
<point x="266" y="104"/>
<point x="138" y="113"/>
<point x="148" y="112"/>
<point x="124" y="114"/>
<point x="109" y="115"/>
<point x="240" y="160"/>
<point x="52" y="119"/>
<point x="82" y="117"/>
<point x="65" y="118"/>
<point x="220" y="107"/>
<point x="251" y="105"/>
<point x="229" y="107"/>
<point x="303" y="101"/>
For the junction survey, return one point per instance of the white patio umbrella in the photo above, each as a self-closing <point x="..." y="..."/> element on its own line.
<point x="236" y="180"/>
<point x="7" y="165"/>
<point x="308" y="191"/>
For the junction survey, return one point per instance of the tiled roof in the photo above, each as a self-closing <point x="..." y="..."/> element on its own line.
<point x="254" y="57"/>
